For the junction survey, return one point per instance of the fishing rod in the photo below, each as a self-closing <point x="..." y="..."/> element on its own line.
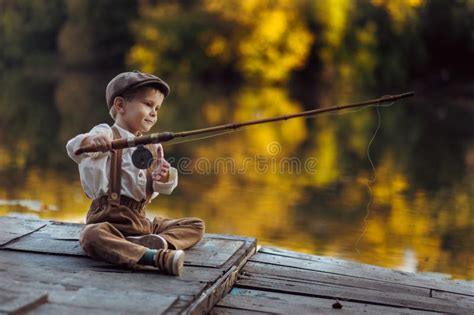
<point x="168" y="136"/>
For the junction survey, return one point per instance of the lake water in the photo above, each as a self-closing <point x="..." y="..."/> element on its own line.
<point x="304" y="185"/>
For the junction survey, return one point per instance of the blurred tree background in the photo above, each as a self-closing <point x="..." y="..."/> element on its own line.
<point x="237" y="60"/>
<point x="377" y="42"/>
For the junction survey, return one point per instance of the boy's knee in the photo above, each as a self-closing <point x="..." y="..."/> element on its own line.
<point x="89" y="235"/>
<point x="198" y="225"/>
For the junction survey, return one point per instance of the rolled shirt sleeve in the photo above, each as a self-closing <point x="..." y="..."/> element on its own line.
<point x="168" y="187"/>
<point x="75" y="143"/>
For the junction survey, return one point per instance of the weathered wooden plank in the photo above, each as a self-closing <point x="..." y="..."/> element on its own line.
<point x="222" y="310"/>
<point x="330" y="260"/>
<point x="62" y="230"/>
<point x="243" y="253"/>
<point x="71" y="275"/>
<point x="231" y="237"/>
<point x="42" y="243"/>
<point x="157" y="283"/>
<point x="352" y="294"/>
<point x="272" y="302"/>
<point x="20" y="303"/>
<point x="180" y="304"/>
<point x="53" y="308"/>
<point x="362" y="271"/>
<point x="141" y="299"/>
<point x="212" y="295"/>
<point x="458" y="299"/>
<point x="212" y="252"/>
<point x="282" y="272"/>
<point x="54" y="238"/>
<point x="206" y="301"/>
<point x="114" y="299"/>
<point x="12" y="228"/>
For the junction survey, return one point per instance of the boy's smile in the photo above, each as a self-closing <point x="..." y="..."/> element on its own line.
<point x="139" y="114"/>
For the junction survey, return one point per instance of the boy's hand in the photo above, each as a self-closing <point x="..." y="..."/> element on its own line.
<point x="161" y="172"/>
<point x="100" y="142"/>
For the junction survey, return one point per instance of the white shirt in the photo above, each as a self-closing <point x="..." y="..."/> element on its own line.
<point x="94" y="169"/>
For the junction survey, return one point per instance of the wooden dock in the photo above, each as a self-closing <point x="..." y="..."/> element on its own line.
<point x="44" y="271"/>
<point x="280" y="281"/>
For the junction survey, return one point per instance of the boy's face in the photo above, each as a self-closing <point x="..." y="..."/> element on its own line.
<point x="140" y="114"/>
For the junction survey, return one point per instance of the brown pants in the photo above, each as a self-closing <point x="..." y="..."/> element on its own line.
<point x="103" y="237"/>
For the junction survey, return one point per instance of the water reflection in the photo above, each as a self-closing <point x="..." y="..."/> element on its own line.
<point x="420" y="217"/>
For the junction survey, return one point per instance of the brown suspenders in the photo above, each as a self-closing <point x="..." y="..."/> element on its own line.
<point x="149" y="180"/>
<point x="116" y="169"/>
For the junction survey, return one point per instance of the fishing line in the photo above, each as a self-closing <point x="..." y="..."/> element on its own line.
<point x="370" y="181"/>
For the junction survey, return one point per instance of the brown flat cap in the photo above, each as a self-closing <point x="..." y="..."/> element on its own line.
<point x="128" y="80"/>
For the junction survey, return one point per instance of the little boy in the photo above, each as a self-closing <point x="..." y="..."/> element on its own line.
<point x="117" y="229"/>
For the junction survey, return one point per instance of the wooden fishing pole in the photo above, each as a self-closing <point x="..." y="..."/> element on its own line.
<point x="167" y="136"/>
